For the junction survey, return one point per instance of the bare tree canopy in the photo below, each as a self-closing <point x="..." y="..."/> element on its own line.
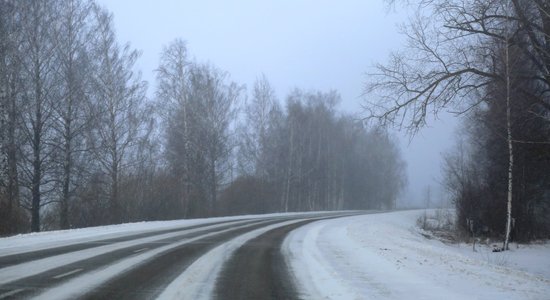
<point x="449" y="58"/>
<point x="82" y="144"/>
<point x="488" y="61"/>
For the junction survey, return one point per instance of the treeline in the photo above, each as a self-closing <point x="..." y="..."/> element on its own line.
<point x="82" y="145"/>
<point x="488" y="61"/>
<point x="74" y="117"/>
<point x="309" y="158"/>
<point x="503" y="156"/>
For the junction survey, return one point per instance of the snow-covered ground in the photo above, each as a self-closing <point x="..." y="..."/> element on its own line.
<point x="43" y="240"/>
<point x="203" y="272"/>
<point x="373" y="256"/>
<point x="49" y="239"/>
<point x="385" y="256"/>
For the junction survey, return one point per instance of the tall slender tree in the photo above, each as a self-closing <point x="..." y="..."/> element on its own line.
<point x="10" y="87"/>
<point x="454" y="60"/>
<point x="119" y="96"/>
<point x="254" y="130"/>
<point x="173" y="93"/>
<point x="73" y="111"/>
<point x="39" y="72"/>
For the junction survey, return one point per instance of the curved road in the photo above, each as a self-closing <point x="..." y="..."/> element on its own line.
<point x="243" y="256"/>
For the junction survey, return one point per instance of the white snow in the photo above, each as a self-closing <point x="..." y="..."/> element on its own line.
<point x="86" y="282"/>
<point x="384" y="256"/>
<point x="92" y="278"/>
<point x="198" y="280"/>
<point x="50" y="239"/>
<point x="375" y="256"/>
<point x="19" y="271"/>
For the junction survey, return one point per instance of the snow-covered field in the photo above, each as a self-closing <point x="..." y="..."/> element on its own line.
<point x="384" y="256"/>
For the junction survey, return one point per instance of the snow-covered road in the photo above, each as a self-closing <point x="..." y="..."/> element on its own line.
<point x="308" y="256"/>
<point x="166" y="260"/>
<point x="385" y="256"/>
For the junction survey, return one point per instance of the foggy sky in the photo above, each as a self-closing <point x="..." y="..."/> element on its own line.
<point x="309" y="44"/>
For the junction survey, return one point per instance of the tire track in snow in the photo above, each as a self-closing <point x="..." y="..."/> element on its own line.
<point x="36" y="283"/>
<point x="30" y="268"/>
<point x="262" y="269"/>
<point x="79" y="286"/>
<point x="149" y="279"/>
<point x="199" y="279"/>
<point x="7" y="260"/>
<point x="30" y="278"/>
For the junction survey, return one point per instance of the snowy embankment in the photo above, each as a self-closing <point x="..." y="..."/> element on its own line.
<point x="201" y="273"/>
<point x="48" y="239"/>
<point x="385" y="256"/>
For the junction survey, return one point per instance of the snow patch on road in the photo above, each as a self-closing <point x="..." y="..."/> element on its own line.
<point x="19" y="271"/>
<point x="29" y="242"/>
<point x="198" y="280"/>
<point x="51" y="239"/>
<point x="80" y="285"/>
<point x="384" y="256"/>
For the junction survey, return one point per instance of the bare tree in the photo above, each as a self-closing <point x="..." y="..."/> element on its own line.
<point x="200" y="123"/>
<point x="39" y="70"/>
<point x="214" y="108"/>
<point x="119" y="94"/>
<point x="73" y="112"/>
<point x="10" y="87"/>
<point x="509" y="137"/>
<point x="454" y="55"/>
<point x="254" y="130"/>
<point x="314" y="174"/>
<point x="173" y="93"/>
<point x="450" y="57"/>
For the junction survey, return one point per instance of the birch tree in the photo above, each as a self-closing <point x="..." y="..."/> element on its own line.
<point x="73" y="111"/>
<point x="201" y="121"/>
<point x="301" y="166"/>
<point x="255" y="128"/>
<point x="453" y="57"/>
<point x="509" y="140"/>
<point x="39" y="70"/>
<point x="10" y="87"/>
<point x="173" y="93"/>
<point x="213" y="100"/>
<point x="119" y="94"/>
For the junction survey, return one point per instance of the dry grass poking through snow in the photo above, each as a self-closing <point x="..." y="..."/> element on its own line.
<point x="440" y="224"/>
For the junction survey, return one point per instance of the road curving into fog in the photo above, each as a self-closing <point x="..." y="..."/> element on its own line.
<point x="227" y="259"/>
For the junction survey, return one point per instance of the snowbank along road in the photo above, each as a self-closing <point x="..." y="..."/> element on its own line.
<point x="224" y="258"/>
<point x="331" y="255"/>
<point x="387" y="256"/>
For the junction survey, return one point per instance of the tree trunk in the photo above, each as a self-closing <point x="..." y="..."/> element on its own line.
<point x="35" y="184"/>
<point x="510" y="178"/>
<point x="290" y="157"/>
<point x="13" y="178"/>
<point x="510" y="148"/>
<point x="115" y="207"/>
<point x="37" y="163"/>
<point x="67" y="165"/>
<point x="213" y="188"/>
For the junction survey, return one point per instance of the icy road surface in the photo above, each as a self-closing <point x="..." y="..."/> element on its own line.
<point x="328" y="255"/>
<point x="149" y="260"/>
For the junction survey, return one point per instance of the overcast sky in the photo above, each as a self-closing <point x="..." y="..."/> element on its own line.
<point x="310" y="44"/>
